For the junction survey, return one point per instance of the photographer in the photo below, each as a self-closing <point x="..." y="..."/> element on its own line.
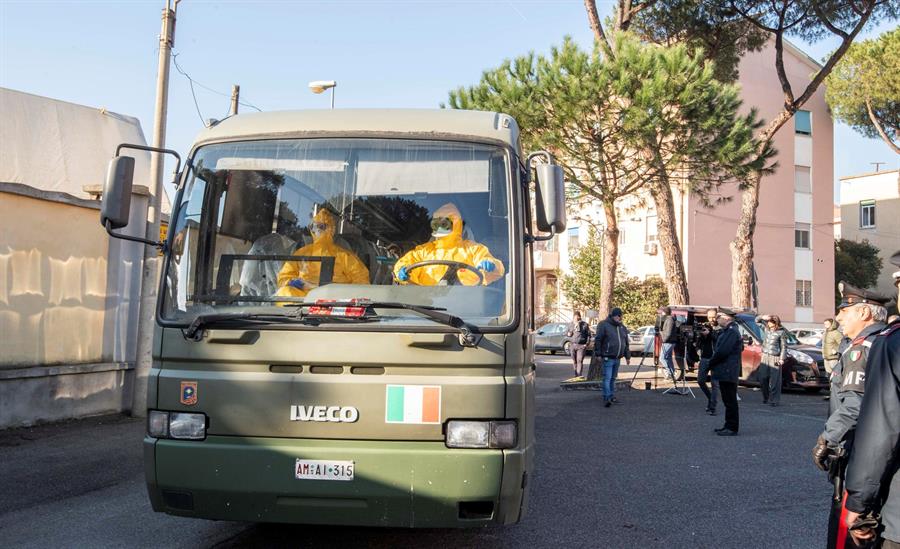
<point x="668" y="334"/>
<point x="705" y="343"/>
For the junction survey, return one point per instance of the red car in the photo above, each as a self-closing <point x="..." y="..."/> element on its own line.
<point x="803" y="368"/>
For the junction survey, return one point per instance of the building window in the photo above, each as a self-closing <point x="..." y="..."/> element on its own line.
<point x="867" y="214"/>
<point x="621" y="237"/>
<point x="546" y="245"/>
<point x="651" y="229"/>
<point x="802" y="123"/>
<point x="804" y="293"/>
<point x="801" y="235"/>
<point x="802" y="180"/>
<point x="573" y="238"/>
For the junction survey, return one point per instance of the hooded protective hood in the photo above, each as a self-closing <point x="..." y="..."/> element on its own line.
<point x="348" y="269"/>
<point x="452" y="247"/>
<point x="455" y="236"/>
<point x="326" y="236"/>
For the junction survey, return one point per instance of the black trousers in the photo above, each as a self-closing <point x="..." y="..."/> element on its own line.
<point x="729" y="399"/>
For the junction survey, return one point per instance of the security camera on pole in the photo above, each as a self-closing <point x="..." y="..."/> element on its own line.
<point x="150" y="274"/>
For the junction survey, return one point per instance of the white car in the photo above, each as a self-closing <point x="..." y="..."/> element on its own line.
<point x="640" y="340"/>
<point x="809" y="337"/>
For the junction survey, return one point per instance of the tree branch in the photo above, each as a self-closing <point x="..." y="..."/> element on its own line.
<point x="879" y="128"/>
<point x="597" y="27"/>
<point x="828" y="24"/>
<point x="835" y="57"/>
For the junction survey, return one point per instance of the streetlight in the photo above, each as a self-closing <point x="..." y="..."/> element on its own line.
<point x="319" y="86"/>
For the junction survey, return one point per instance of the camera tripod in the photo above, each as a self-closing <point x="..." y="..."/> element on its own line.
<point x="684" y="389"/>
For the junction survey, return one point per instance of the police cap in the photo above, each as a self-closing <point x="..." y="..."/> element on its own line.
<point x="851" y="295"/>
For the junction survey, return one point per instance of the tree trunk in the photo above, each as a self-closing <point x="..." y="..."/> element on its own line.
<point x="676" y="281"/>
<point x="610" y="259"/>
<point x="742" y="246"/>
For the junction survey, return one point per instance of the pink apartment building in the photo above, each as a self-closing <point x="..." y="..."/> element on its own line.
<point x="794" y="240"/>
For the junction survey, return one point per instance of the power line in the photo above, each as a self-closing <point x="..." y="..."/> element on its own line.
<point x="193" y="82"/>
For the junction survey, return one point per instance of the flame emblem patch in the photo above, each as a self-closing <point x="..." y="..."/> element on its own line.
<point x="188" y="393"/>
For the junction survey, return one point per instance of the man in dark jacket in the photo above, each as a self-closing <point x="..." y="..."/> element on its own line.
<point x="725" y="363"/>
<point x="611" y="344"/>
<point x="861" y="314"/>
<point x="706" y="341"/>
<point x="873" y="482"/>
<point x="668" y="333"/>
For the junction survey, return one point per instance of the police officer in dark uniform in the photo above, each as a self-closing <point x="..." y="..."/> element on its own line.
<point x="861" y="314"/>
<point x="873" y="481"/>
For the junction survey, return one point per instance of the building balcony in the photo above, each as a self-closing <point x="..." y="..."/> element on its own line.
<point x="546" y="261"/>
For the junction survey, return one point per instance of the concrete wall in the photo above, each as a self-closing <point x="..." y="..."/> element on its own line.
<point x="884" y="189"/>
<point x="67" y="307"/>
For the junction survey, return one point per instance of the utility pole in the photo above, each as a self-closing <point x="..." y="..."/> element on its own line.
<point x="150" y="274"/>
<point x="235" y="98"/>
<point x="877" y="165"/>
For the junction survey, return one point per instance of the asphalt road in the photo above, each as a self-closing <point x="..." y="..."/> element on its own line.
<point x="648" y="472"/>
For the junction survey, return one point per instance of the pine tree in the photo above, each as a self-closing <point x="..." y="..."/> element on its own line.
<point x="629" y="122"/>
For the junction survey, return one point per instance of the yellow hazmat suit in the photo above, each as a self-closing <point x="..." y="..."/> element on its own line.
<point x="297" y="278"/>
<point x="449" y="247"/>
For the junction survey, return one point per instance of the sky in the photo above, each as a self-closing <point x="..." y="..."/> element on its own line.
<point x="382" y="53"/>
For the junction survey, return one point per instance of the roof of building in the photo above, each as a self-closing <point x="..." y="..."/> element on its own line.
<point x="61" y="147"/>
<point x="430" y="123"/>
<point x="870" y="174"/>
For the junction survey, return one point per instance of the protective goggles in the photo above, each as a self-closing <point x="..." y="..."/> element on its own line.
<point x="441" y="224"/>
<point x="317" y="226"/>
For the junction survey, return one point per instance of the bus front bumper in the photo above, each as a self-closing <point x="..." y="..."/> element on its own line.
<point x="397" y="484"/>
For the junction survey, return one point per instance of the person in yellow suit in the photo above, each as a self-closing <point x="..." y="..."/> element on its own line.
<point x="448" y="244"/>
<point x="297" y="278"/>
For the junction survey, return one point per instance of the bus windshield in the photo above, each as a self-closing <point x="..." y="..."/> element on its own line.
<point x="270" y="224"/>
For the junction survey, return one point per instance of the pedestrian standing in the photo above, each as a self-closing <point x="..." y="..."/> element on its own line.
<point x="668" y="333"/>
<point x="774" y="352"/>
<point x="873" y="481"/>
<point x="861" y="315"/>
<point x="725" y="363"/>
<point x="831" y="341"/>
<point x="706" y="340"/>
<point x="611" y="344"/>
<point x="578" y="335"/>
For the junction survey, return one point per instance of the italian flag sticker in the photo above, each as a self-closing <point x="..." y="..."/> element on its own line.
<point x="417" y="404"/>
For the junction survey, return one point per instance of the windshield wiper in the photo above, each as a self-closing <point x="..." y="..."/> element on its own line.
<point x="194" y="330"/>
<point x="469" y="334"/>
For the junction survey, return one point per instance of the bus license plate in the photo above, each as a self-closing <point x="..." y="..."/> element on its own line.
<point x="314" y="469"/>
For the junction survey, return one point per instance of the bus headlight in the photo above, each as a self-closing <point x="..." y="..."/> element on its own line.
<point x="481" y="434"/>
<point x="187" y="426"/>
<point x="176" y="425"/>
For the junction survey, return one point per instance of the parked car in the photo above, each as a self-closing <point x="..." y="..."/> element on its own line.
<point x="641" y="340"/>
<point x="809" y="337"/>
<point x="803" y="369"/>
<point x="552" y="338"/>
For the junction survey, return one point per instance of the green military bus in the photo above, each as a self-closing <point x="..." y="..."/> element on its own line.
<point x="334" y="347"/>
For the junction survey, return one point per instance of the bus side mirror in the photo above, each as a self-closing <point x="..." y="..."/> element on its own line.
<point x="550" y="198"/>
<point x="116" y="205"/>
